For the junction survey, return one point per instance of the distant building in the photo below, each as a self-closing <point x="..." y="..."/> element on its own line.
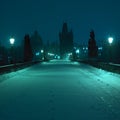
<point x="66" y="41"/>
<point x="37" y="45"/>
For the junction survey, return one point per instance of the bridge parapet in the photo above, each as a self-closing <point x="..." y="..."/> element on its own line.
<point x="16" y="66"/>
<point x="102" y="65"/>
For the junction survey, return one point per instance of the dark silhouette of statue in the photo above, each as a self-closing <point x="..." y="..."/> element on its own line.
<point x="3" y="55"/>
<point x="66" y="41"/>
<point x="92" y="48"/>
<point x="27" y="49"/>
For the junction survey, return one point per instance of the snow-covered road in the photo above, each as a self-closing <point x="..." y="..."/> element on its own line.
<point x="60" y="90"/>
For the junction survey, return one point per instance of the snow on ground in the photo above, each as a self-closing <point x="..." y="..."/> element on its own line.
<point x="60" y="90"/>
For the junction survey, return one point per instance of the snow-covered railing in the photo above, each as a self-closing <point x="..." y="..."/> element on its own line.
<point x="16" y="66"/>
<point x="102" y="65"/>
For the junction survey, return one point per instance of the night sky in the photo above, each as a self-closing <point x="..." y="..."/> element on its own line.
<point x="18" y="17"/>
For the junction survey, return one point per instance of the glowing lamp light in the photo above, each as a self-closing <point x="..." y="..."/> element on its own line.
<point x="110" y="40"/>
<point x="69" y="54"/>
<point x="58" y="57"/>
<point x="12" y="40"/>
<point x="50" y="54"/>
<point x="77" y="51"/>
<point x="42" y="51"/>
<point x="37" y="54"/>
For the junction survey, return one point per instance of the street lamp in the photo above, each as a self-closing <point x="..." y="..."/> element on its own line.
<point x="12" y="41"/>
<point x="77" y="51"/>
<point x="42" y="54"/>
<point x="110" y="40"/>
<point x="42" y="51"/>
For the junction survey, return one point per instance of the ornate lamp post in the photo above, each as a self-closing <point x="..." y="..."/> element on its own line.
<point x="110" y="41"/>
<point x="12" y="41"/>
